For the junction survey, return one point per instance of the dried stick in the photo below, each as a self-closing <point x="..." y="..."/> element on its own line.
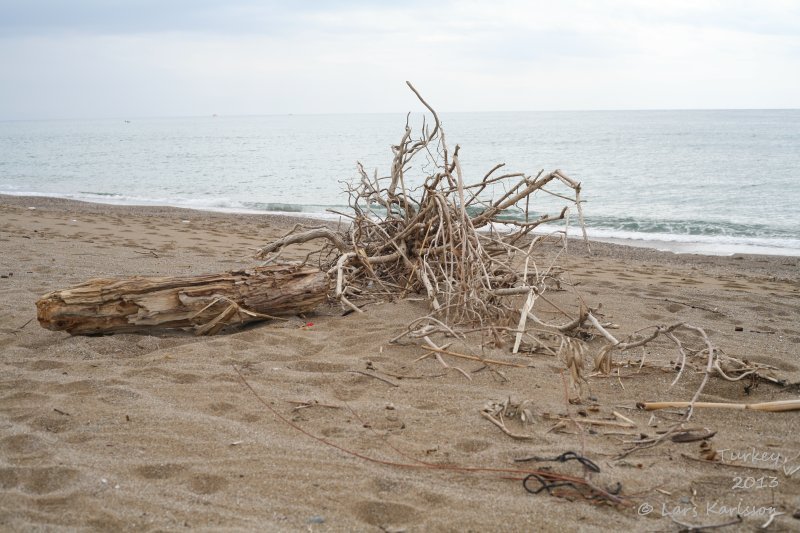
<point x="295" y="238"/>
<point x="709" y="367"/>
<point x="771" y="407"/>
<point x="503" y="427"/>
<point x="475" y="358"/>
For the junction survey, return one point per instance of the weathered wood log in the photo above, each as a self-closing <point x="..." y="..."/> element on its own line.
<point x="206" y="303"/>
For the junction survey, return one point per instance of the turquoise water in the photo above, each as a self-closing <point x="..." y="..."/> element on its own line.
<point x="707" y="181"/>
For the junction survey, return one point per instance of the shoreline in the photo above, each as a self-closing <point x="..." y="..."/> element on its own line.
<point x="677" y="247"/>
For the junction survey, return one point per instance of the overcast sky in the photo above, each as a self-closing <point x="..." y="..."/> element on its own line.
<point x="118" y="58"/>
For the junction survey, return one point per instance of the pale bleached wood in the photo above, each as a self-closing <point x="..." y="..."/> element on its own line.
<point x="205" y="302"/>
<point x="774" y="407"/>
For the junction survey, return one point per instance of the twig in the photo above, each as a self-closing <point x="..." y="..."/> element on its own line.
<point x="503" y="427"/>
<point x="691" y="436"/>
<point x="702" y="527"/>
<point x="294" y="238"/>
<point x="594" y="422"/>
<point x="17" y="330"/>
<point x="373" y="376"/>
<point x="709" y="366"/>
<point x="685" y="304"/>
<point x="305" y="404"/>
<point x="147" y="252"/>
<point x="475" y="358"/>
<point x="624" y="418"/>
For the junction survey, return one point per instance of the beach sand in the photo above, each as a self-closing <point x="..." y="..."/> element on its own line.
<point x="161" y="432"/>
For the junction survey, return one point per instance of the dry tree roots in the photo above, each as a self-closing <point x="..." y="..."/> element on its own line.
<point x="470" y="248"/>
<point x="459" y="244"/>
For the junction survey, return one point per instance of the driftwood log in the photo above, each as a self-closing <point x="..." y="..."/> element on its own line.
<point x="205" y="303"/>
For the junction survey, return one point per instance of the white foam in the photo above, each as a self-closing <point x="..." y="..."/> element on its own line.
<point x="677" y="243"/>
<point x="216" y="205"/>
<point x="698" y="244"/>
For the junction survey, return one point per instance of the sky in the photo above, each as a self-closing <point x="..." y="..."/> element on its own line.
<point x="153" y="58"/>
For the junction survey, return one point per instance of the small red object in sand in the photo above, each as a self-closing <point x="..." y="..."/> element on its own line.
<point x="309" y="324"/>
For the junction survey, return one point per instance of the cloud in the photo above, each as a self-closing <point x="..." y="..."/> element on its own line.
<point x="117" y="58"/>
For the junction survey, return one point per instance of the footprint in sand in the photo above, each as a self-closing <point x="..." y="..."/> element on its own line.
<point x="207" y="483"/>
<point x="158" y="471"/>
<point x="118" y="396"/>
<point x="390" y="485"/>
<point x="657" y="291"/>
<point x="181" y="378"/>
<point x="472" y="445"/>
<point x="733" y="285"/>
<point x="427" y="406"/>
<point x="24" y="399"/>
<point x="225" y="377"/>
<point x="318" y="366"/>
<point x="44" y="364"/>
<point x="353" y="388"/>
<point x="185" y="378"/>
<point x="52" y="423"/>
<point x="81" y="387"/>
<point x="333" y="431"/>
<point x="220" y="408"/>
<point x="299" y="346"/>
<point x="9" y="478"/>
<point x="41" y="480"/>
<point x="386" y="515"/>
<point x="22" y="445"/>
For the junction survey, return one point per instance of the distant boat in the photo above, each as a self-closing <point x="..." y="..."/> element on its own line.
<point x="127" y="122"/>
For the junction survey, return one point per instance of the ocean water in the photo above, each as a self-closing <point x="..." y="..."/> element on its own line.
<point x="690" y="181"/>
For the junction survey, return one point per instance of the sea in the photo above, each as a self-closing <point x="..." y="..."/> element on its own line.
<point x="712" y="182"/>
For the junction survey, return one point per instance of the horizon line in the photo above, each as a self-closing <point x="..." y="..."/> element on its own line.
<point x="342" y="113"/>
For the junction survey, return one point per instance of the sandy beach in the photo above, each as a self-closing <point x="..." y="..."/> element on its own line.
<point x="319" y="423"/>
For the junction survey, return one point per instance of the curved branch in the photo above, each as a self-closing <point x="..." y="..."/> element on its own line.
<point x="310" y="235"/>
